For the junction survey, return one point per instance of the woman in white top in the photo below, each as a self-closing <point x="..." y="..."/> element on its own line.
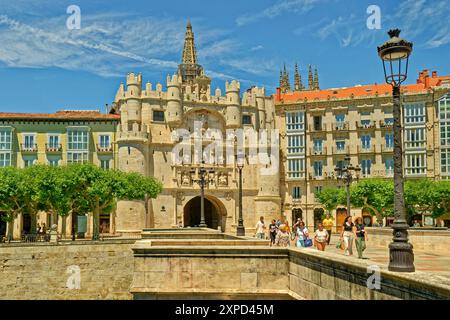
<point x="302" y="234"/>
<point x="321" y="238"/>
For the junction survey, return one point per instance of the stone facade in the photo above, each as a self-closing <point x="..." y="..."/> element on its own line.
<point x="149" y="115"/>
<point x="41" y="271"/>
<point x="318" y="128"/>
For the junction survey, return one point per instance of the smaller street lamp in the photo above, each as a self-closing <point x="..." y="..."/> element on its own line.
<point x="347" y="174"/>
<point x="203" y="181"/>
<point x="240" y="231"/>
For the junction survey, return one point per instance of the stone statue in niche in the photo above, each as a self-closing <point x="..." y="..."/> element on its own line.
<point x="223" y="179"/>
<point x="185" y="179"/>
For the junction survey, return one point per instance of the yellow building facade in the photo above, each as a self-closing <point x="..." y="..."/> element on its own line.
<point x="57" y="139"/>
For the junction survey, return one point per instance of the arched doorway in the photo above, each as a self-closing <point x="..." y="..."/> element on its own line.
<point x="214" y="213"/>
<point x="296" y="214"/>
<point x="318" y="215"/>
<point x="341" y="214"/>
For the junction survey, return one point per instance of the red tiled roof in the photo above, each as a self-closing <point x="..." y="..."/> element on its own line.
<point x="59" y="115"/>
<point x="424" y="83"/>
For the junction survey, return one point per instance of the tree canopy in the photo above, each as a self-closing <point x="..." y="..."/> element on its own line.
<point x="70" y="189"/>
<point x="377" y="195"/>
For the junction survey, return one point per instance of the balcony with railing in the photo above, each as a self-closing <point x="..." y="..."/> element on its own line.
<point x="340" y="126"/>
<point x="387" y="148"/>
<point x="317" y="127"/>
<point x="53" y="148"/>
<point x="341" y="150"/>
<point x="104" y="148"/>
<point x="365" y="125"/>
<point x="386" y="125"/>
<point x="366" y="149"/>
<point x="316" y="151"/>
<point x="28" y="147"/>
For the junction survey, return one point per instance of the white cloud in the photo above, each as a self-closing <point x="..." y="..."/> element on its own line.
<point x="422" y="21"/>
<point x="282" y="6"/>
<point x="257" y="48"/>
<point x="108" y="44"/>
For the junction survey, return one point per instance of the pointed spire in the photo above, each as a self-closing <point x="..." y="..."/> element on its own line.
<point x="286" y="79"/>
<point x="189" y="52"/>
<point x="316" y="79"/>
<point x="310" y="79"/>
<point x="298" y="79"/>
<point x="281" y="79"/>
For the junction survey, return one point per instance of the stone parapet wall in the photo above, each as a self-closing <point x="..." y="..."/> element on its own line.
<point x="38" y="271"/>
<point x="428" y="240"/>
<point x="328" y="276"/>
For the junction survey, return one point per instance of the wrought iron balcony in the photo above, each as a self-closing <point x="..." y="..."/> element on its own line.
<point x="53" y="148"/>
<point x="104" y="149"/>
<point x="28" y="148"/>
<point x="318" y="151"/>
<point x="340" y="126"/>
<point x="387" y="148"/>
<point x="317" y="127"/>
<point x="386" y="125"/>
<point x="365" y="125"/>
<point x="344" y="150"/>
<point x="366" y="149"/>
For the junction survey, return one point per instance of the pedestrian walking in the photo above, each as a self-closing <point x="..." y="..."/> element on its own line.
<point x="347" y="235"/>
<point x="321" y="237"/>
<point x="282" y="239"/>
<point x="273" y="229"/>
<point x="260" y="229"/>
<point x="303" y="236"/>
<point x="328" y="225"/>
<point x="361" y="237"/>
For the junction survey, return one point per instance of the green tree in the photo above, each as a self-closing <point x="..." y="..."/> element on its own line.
<point x="377" y="195"/>
<point x="330" y="198"/>
<point x="13" y="196"/>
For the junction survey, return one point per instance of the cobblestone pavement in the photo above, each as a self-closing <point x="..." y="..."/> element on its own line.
<point x="423" y="261"/>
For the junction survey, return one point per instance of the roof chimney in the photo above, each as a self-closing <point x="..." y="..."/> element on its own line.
<point x="107" y="109"/>
<point x="434" y="74"/>
<point x="278" y="94"/>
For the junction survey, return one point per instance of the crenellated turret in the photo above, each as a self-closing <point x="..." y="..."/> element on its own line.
<point x="133" y="96"/>
<point x="174" y="106"/>
<point x="233" y="119"/>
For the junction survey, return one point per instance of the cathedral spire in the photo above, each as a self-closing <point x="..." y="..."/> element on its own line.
<point x="189" y="52"/>
<point x="316" y="79"/>
<point x="189" y="69"/>
<point x="310" y="79"/>
<point x="286" y="79"/>
<point x="297" y="79"/>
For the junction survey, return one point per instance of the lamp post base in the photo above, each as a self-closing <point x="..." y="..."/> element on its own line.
<point x="401" y="257"/>
<point x="203" y="225"/>
<point x="240" y="231"/>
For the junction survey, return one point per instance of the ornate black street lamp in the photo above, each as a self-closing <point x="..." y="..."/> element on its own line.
<point x="240" y="231"/>
<point x="346" y="174"/>
<point x="203" y="181"/>
<point x="395" y="56"/>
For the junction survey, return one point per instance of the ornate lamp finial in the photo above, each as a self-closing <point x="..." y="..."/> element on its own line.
<point x="394" y="33"/>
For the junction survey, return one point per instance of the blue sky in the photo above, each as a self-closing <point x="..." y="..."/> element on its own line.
<point x="44" y="67"/>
